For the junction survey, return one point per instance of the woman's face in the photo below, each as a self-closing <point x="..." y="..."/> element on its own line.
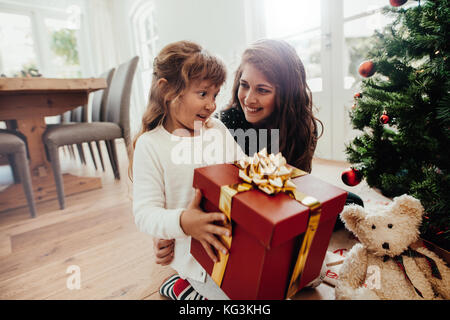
<point x="256" y="95"/>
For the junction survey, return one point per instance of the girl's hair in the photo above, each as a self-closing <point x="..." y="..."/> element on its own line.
<point x="293" y="114"/>
<point x="180" y="63"/>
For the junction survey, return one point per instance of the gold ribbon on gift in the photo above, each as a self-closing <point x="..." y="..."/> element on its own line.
<point x="270" y="174"/>
<point x="313" y="222"/>
<point x="226" y="195"/>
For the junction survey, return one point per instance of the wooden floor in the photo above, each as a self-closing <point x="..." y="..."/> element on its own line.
<point x="96" y="232"/>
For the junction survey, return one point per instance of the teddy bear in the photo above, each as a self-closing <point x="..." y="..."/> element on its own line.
<point x="384" y="265"/>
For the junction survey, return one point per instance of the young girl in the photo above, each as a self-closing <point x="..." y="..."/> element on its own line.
<point x="176" y="132"/>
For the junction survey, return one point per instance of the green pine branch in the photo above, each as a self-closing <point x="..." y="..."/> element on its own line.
<point x="410" y="154"/>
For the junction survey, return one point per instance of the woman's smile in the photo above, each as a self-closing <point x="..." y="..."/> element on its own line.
<point x="252" y="110"/>
<point x="256" y="95"/>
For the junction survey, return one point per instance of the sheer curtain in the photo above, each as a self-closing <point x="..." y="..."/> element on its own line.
<point x="101" y="33"/>
<point x="254" y="20"/>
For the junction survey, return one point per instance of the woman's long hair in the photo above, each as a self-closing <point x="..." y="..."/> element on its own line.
<point x="179" y="63"/>
<point x="293" y="112"/>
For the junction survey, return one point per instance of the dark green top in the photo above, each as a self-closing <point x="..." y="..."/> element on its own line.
<point x="234" y="119"/>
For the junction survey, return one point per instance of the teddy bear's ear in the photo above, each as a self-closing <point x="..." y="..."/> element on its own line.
<point x="405" y="204"/>
<point x="352" y="215"/>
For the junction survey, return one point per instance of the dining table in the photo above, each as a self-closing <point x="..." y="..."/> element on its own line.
<point x="29" y="101"/>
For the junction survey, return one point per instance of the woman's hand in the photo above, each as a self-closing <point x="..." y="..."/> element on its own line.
<point x="199" y="225"/>
<point x="164" y="250"/>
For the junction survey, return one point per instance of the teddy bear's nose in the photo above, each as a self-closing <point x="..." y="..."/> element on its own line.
<point x="385" y="246"/>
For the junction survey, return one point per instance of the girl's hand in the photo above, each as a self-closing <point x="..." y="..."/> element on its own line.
<point x="199" y="225"/>
<point x="164" y="250"/>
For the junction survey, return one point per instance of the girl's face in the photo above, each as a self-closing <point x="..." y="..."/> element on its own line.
<point x="197" y="103"/>
<point x="256" y="95"/>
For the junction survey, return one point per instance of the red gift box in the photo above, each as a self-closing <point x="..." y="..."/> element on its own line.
<point x="267" y="232"/>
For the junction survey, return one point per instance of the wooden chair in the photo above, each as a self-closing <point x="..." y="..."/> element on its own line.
<point x="15" y="149"/>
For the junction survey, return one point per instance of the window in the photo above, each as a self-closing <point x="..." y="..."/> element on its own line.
<point x="354" y="8"/>
<point x="331" y="38"/>
<point x="17" y="46"/>
<point x="299" y="23"/>
<point x="145" y="39"/>
<point x="63" y="42"/>
<point x="40" y="38"/>
<point x="36" y="39"/>
<point x="362" y="18"/>
<point x="308" y="45"/>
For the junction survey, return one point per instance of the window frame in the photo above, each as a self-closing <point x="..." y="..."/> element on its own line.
<point x="333" y="100"/>
<point x="37" y="15"/>
<point x="141" y="12"/>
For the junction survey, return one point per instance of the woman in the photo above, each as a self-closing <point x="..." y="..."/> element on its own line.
<point x="270" y="92"/>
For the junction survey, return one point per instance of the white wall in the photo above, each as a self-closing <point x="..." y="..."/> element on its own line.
<point x="46" y="4"/>
<point x="219" y="26"/>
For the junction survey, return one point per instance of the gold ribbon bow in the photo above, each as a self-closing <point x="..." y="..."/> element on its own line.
<point x="269" y="174"/>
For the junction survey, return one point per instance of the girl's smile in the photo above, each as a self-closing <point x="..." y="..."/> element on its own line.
<point x="203" y="117"/>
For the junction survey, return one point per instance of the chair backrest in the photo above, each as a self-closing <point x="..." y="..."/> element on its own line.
<point x="66" y="116"/>
<point x="12" y="141"/>
<point x="118" y="100"/>
<point x="98" y="112"/>
<point x="77" y="114"/>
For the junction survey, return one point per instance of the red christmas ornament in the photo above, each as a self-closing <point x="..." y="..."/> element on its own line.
<point x="397" y="3"/>
<point x="351" y="177"/>
<point x="357" y="95"/>
<point x="366" y="69"/>
<point x="384" y="118"/>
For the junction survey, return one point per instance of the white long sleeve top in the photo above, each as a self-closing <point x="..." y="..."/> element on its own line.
<point x="163" y="169"/>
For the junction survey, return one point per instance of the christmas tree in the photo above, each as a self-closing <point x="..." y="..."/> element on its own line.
<point x="403" y="111"/>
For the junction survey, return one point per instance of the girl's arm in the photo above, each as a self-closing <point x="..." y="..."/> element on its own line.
<point x="149" y="205"/>
<point x="148" y="196"/>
